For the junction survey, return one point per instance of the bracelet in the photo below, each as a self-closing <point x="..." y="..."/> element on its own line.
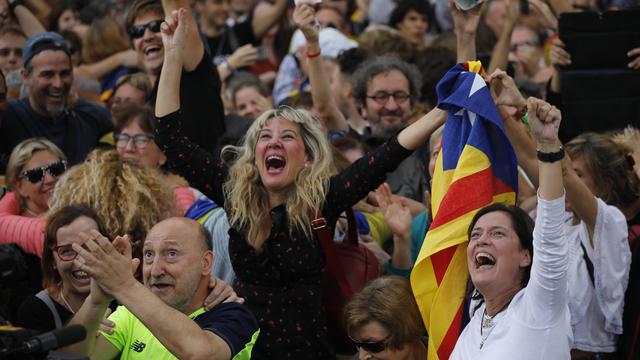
<point x="550" y="157"/>
<point x="311" y="55"/>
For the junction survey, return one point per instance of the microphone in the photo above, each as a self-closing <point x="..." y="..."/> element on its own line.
<point x="42" y="343"/>
<point x="55" y="339"/>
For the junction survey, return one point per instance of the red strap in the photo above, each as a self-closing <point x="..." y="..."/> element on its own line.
<point x="320" y="228"/>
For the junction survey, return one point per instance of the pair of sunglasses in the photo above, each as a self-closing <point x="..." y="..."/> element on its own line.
<point x="373" y="347"/>
<point x="36" y="175"/>
<point x="137" y="31"/>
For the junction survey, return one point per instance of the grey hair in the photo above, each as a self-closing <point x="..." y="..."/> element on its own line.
<point x="383" y="64"/>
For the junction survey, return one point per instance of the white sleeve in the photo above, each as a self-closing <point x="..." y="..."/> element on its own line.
<point x="611" y="260"/>
<point x="546" y="293"/>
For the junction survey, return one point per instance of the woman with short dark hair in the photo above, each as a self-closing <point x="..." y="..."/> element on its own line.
<point x="412" y="18"/>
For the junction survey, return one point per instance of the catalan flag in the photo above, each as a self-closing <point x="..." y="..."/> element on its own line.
<point x="476" y="166"/>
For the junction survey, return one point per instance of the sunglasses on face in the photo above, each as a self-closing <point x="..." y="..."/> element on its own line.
<point x="137" y="31"/>
<point x="65" y="252"/>
<point x="373" y="347"/>
<point x="36" y="175"/>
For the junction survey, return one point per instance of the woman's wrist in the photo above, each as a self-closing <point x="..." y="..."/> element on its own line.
<point x="313" y="47"/>
<point x="465" y="35"/>
<point x="548" y="146"/>
<point x="229" y="66"/>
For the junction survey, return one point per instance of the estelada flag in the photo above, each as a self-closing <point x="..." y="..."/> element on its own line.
<point x="476" y="167"/>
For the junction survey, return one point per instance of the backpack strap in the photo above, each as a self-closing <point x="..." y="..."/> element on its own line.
<point x="588" y="263"/>
<point x="321" y="229"/>
<point x="42" y="295"/>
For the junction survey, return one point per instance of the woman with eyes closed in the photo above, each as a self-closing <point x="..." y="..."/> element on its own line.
<point x="283" y="171"/>
<point x="65" y="287"/>
<point x="520" y="272"/>
<point x="33" y="170"/>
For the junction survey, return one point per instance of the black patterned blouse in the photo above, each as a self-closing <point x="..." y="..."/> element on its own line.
<point x="281" y="283"/>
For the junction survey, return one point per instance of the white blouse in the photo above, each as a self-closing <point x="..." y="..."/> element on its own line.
<point x="535" y="325"/>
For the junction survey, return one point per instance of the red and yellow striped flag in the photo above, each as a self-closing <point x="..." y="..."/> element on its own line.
<point x="476" y="166"/>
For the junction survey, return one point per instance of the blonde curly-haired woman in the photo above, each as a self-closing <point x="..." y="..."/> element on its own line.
<point x="283" y="170"/>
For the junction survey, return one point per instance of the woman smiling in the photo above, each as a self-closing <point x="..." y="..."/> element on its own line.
<point x="521" y="279"/>
<point x="32" y="172"/>
<point x="283" y="171"/>
<point x="65" y="287"/>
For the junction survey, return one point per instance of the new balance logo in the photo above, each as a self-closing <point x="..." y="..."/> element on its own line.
<point x="137" y="346"/>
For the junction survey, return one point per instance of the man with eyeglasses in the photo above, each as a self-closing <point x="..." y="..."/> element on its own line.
<point x="75" y="126"/>
<point x="386" y="89"/>
<point x="527" y="52"/>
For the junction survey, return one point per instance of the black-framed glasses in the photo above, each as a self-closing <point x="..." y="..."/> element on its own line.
<point x="137" y="31"/>
<point x="139" y="140"/>
<point x="65" y="252"/>
<point x="36" y="175"/>
<point x="373" y="347"/>
<point x="382" y="97"/>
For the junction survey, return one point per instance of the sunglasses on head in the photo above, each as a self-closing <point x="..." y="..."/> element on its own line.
<point x="371" y="346"/>
<point x="137" y="31"/>
<point x="36" y="175"/>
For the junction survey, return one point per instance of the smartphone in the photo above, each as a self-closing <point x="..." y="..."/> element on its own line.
<point x="466" y="5"/>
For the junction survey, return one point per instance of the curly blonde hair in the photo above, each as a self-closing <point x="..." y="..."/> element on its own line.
<point x="129" y="199"/>
<point x="247" y="201"/>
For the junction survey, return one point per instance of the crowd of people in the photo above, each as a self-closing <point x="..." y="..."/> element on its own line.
<point x="169" y="165"/>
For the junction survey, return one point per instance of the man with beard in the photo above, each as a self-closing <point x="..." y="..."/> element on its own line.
<point x="386" y="89"/>
<point x="164" y="317"/>
<point x="75" y="126"/>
